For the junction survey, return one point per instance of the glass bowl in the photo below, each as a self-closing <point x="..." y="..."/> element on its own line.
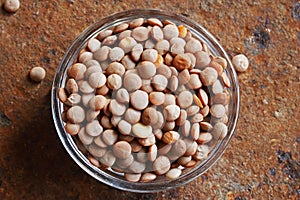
<point x="113" y="177"/>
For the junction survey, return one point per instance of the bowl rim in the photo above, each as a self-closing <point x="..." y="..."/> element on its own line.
<point x="69" y="143"/>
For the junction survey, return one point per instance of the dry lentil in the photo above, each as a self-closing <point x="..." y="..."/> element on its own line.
<point x="37" y="74"/>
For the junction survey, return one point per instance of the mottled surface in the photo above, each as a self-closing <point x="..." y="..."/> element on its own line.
<point x="263" y="160"/>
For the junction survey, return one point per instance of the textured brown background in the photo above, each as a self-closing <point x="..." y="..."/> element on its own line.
<point x="263" y="160"/>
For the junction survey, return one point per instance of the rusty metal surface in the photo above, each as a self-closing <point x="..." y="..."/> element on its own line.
<point x="263" y="159"/>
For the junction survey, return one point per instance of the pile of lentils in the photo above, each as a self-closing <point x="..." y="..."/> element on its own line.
<point x="146" y="98"/>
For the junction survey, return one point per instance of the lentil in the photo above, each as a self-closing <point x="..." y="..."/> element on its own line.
<point x="37" y="74"/>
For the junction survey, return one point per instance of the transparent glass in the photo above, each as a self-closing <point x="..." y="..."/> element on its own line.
<point x="108" y="176"/>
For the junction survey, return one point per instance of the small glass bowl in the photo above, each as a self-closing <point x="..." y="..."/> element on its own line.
<point x="110" y="177"/>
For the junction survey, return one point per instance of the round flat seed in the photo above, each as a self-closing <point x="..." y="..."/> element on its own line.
<point x="221" y="98"/>
<point x="11" y="5"/>
<point x="220" y="60"/>
<point x="182" y="31"/>
<point x="140" y="33"/>
<point x="108" y="159"/>
<point x="77" y="71"/>
<point x="184" y="160"/>
<point x="217" y="67"/>
<point x="171" y="112"/>
<point x="132" y="116"/>
<point x="203" y="97"/>
<point x="122" y="149"/>
<point x="178" y="150"/>
<point x="184" y="77"/>
<point x="220" y="130"/>
<point x="160" y="121"/>
<point x="162" y="47"/>
<point x="217" y="87"/>
<point x="170" y="31"/>
<point x="202" y="59"/>
<point x="149" y="44"/>
<point x="97" y="102"/>
<point x="173" y="174"/>
<point x="182" y="61"/>
<point x="115" y="68"/>
<point x="110" y="40"/>
<point x="146" y="142"/>
<point x="173" y="83"/>
<point x="193" y="45"/>
<point x="132" y="177"/>
<point x="85" y="138"/>
<point x="71" y="86"/>
<point x="128" y="63"/>
<point x="127" y="44"/>
<point x="168" y="61"/>
<point x="208" y="76"/>
<point x="139" y="99"/>
<point x="102" y="54"/>
<point x="195" y="131"/>
<point x="122" y="95"/>
<point x="124" y="163"/>
<point x="182" y="118"/>
<point x="124" y="127"/>
<point x="97" y="80"/>
<point x="141" y="131"/>
<point x="185" y="129"/>
<point x="62" y="95"/>
<point x="170" y="99"/>
<point x="225" y="80"/>
<point x="205" y="126"/>
<point x="169" y="126"/>
<point x="94" y="128"/>
<point x="37" y="74"/>
<point x="157" y="98"/>
<point x="120" y="28"/>
<point x="72" y="129"/>
<point x="197" y="118"/>
<point x="194" y="82"/>
<point x="154" y="22"/>
<point x="132" y="82"/>
<point x="116" y="54"/>
<point x="159" y="82"/>
<point x="150" y="55"/>
<point x="73" y="99"/>
<point x="114" y="82"/>
<point x="117" y="108"/>
<point x="85" y="87"/>
<point x="99" y="142"/>
<point x="136" y="23"/>
<point x="240" y="62"/>
<point x="137" y="167"/>
<point x="96" y="151"/>
<point x="185" y="99"/>
<point x="152" y="153"/>
<point x="147" y="177"/>
<point x="85" y="56"/>
<point x="76" y="114"/>
<point x="164" y="70"/>
<point x="192" y="110"/>
<point x="170" y="137"/>
<point x="156" y="33"/>
<point x="136" y="52"/>
<point x="146" y="69"/>
<point x="201" y="153"/>
<point x="104" y="34"/>
<point x="93" y="44"/>
<point x="161" y="165"/>
<point x="85" y="98"/>
<point x="204" y="138"/>
<point x="217" y="110"/>
<point x="109" y="136"/>
<point x="149" y="116"/>
<point x="135" y="146"/>
<point x="205" y="111"/>
<point x="191" y="147"/>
